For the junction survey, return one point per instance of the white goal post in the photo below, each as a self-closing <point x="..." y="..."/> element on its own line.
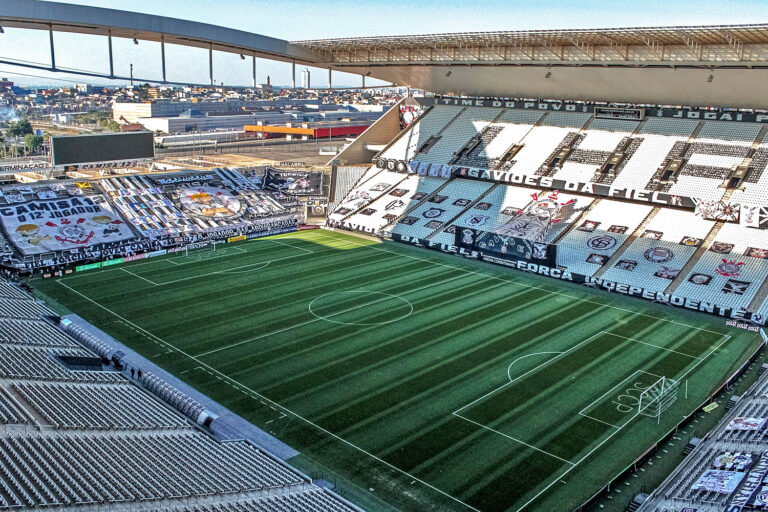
<point x="200" y="245"/>
<point x="658" y="397"/>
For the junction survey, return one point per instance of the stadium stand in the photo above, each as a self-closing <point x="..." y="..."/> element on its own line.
<point x="589" y="246"/>
<point x="727" y="469"/>
<point x="101" y="219"/>
<point x="671" y="236"/>
<point x="468" y="124"/>
<point x="365" y="193"/>
<point x="440" y="208"/>
<point x="692" y="244"/>
<point x="430" y="125"/>
<point x="386" y="209"/>
<point x="88" y="435"/>
<point x="499" y="206"/>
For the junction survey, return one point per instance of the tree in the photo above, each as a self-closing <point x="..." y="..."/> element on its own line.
<point x="33" y="142"/>
<point x="111" y="125"/>
<point x="20" y="127"/>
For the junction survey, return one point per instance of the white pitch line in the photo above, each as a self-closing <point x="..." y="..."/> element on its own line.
<point x="288" y="245"/>
<point x="528" y="372"/>
<point x="726" y="338"/>
<point x="513" y="439"/>
<point x="652" y="345"/>
<point x="245" y="271"/>
<point x="261" y="397"/>
<point x="523" y="357"/>
<point x="140" y="277"/>
<point x="600" y="421"/>
<point x="316" y="319"/>
<point x="554" y="292"/>
<point x="197" y="257"/>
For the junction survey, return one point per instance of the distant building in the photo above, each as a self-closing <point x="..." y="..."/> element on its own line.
<point x="305" y="79"/>
<point x="5" y="84"/>
<point x="84" y="88"/>
<point x="132" y="112"/>
<point x="196" y="121"/>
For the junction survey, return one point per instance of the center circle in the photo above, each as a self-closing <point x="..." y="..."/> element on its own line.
<point x="338" y="307"/>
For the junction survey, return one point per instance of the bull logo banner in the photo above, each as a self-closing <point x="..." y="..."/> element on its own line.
<point x="37" y="227"/>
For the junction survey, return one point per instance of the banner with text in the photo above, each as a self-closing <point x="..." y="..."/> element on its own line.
<point x="36" y="227"/>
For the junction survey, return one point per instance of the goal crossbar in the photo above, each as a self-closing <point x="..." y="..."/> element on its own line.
<point x="658" y="397"/>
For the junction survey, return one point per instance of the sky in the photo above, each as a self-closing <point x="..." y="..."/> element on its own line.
<point x="317" y="19"/>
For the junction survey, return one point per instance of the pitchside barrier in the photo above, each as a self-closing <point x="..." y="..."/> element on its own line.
<point x="196" y="246"/>
<point x="536" y="266"/>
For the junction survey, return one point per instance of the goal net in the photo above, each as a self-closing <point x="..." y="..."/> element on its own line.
<point x="658" y="397"/>
<point x="200" y="248"/>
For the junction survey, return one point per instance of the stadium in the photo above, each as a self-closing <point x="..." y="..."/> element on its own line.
<point x="541" y="284"/>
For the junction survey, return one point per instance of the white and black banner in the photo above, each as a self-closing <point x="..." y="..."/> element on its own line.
<point x="296" y="183"/>
<point x="586" y="188"/>
<point x="35" y="227"/>
<point x="562" y="273"/>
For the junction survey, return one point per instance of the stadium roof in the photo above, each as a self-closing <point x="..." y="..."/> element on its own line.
<point x="641" y="36"/>
<point x="723" y="65"/>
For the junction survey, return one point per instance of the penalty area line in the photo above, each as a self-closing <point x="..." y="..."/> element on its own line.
<point x="486" y="427"/>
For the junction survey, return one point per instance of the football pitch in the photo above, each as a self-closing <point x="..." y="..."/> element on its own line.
<point x="434" y="382"/>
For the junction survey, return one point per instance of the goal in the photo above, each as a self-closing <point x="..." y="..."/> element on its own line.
<point x="200" y="247"/>
<point x="658" y="397"/>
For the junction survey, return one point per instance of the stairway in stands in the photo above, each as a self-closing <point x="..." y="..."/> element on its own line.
<point x="760" y="136"/>
<point x="760" y="296"/>
<point x="694" y="258"/>
<point x="629" y="241"/>
<point x="696" y="131"/>
<point x="408" y="130"/>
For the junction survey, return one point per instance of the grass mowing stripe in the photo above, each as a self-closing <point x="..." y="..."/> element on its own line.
<point x="299" y="346"/>
<point x="230" y="309"/>
<point x="380" y="355"/>
<point x="377" y="355"/>
<point x="218" y="312"/>
<point x="308" y="322"/>
<point x="338" y="420"/>
<point x="555" y="292"/>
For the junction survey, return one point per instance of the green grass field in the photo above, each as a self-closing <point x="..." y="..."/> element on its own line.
<point x="433" y="382"/>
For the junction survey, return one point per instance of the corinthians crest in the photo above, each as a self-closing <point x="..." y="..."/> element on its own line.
<point x="729" y="268"/>
<point x="534" y="221"/>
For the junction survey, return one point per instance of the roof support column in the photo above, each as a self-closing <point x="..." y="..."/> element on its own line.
<point x="53" y="53"/>
<point x="210" y="62"/>
<point x="111" y="60"/>
<point x="363" y="81"/>
<point x="162" y="54"/>
<point x="253" y="66"/>
<point x="330" y="79"/>
<point x="293" y="74"/>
